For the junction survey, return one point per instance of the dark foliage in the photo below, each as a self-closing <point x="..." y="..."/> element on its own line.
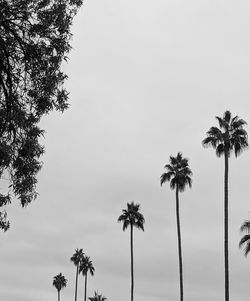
<point x="178" y="173"/>
<point x="86" y="266"/>
<point x="229" y="137"/>
<point x="131" y="216"/>
<point x="245" y="240"/>
<point x="97" y="297"/>
<point x="59" y="282"/>
<point x="34" y="41"/>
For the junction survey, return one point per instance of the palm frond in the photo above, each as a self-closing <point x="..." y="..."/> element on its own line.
<point x="169" y="167"/>
<point x="238" y="123"/>
<point x="245" y="227"/>
<point x="227" y="116"/>
<point x="221" y="121"/>
<point x="244" y="239"/>
<point x="214" y="132"/>
<point x="189" y="181"/>
<point x="220" y="150"/>
<point x="179" y="157"/>
<point x="247" y="248"/>
<point x="126" y="223"/>
<point x="165" y="177"/>
<point x="234" y="119"/>
<point x="214" y="137"/>
<point x="173" y="183"/>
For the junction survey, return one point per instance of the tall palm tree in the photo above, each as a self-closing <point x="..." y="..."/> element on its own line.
<point x="245" y="240"/>
<point x="76" y="259"/>
<point x="229" y="137"/>
<point x="133" y="218"/>
<point x="97" y="297"/>
<point x="85" y="267"/>
<point x="179" y="175"/>
<point x="59" y="282"/>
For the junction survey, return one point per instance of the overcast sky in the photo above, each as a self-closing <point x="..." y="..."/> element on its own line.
<point x="146" y="79"/>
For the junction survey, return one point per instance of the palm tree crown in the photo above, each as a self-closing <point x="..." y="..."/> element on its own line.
<point x="132" y="216"/>
<point x="86" y="266"/>
<point x="178" y="173"/>
<point x="245" y="240"/>
<point x="59" y="282"/>
<point x="230" y="136"/>
<point x="97" y="297"/>
<point x="77" y="257"/>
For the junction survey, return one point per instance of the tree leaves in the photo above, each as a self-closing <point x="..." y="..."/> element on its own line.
<point x="34" y="41"/>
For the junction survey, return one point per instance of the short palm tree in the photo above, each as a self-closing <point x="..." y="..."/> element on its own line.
<point x="59" y="282"/>
<point x="133" y="218"/>
<point x="179" y="175"/>
<point x="97" y="297"/>
<point x="85" y="267"/>
<point x="229" y="137"/>
<point x="245" y="240"/>
<point x="76" y="259"/>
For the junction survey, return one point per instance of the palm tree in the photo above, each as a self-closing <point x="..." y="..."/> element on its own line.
<point x="97" y="297"/>
<point x="133" y="218"/>
<point x="59" y="282"/>
<point x="76" y="259"/>
<point x="229" y="137"/>
<point x="85" y="267"/>
<point x="245" y="240"/>
<point x="179" y="175"/>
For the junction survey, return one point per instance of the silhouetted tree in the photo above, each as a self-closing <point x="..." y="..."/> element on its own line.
<point x="59" y="282"/>
<point x="245" y="240"/>
<point x="34" y="41"/>
<point x="179" y="175"/>
<point x="97" y="297"/>
<point x="85" y="267"/>
<point x="133" y="218"/>
<point x="229" y="137"/>
<point x="76" y="258"/>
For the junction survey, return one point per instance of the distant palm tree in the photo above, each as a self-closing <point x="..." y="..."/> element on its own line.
<point x="179" y="175"/>
<point x="76" y="259"/>
<point x="97" y="297"/>
<point x="229" y="137"/>
<point x="85" y="267"/>
<point x="59" y="282"/>
<point x="245" y="227"/>
<point x="133" y="218"/>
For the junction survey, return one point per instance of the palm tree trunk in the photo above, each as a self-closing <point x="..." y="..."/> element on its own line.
<point x="77" y="268"/>
<point x="85" y="288"/>
<point x="226" y="227"/>
<point x="179" y="242"/>
<point x="132" y="262"/>
<point x="58" y="295"/>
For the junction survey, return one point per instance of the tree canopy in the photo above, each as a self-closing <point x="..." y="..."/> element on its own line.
<point x="34" y="41"/>
<point x="132" y="217"/>
<point x="178" y="173"/>
<point x="230" y="136"/>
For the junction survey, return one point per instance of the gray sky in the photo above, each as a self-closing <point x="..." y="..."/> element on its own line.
<point x="146" y="79"/>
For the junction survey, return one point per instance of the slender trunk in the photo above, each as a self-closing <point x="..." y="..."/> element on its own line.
<point x="226" y="228"/>
<point x="132" y="263"/>
<point x="77" y="268"/>
<point x="179" y="242"/>
<point x="85" y="287"/>
<point x="58" y="295"/>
